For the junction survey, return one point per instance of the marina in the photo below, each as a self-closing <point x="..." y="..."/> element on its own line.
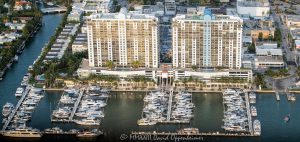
<point x="81" y="106"/>
<point x="237" y="115"/>
<point x="15" y="124"/>
<point x="163" y="107"/>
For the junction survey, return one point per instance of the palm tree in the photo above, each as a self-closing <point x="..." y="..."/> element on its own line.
<point x="194" y="67"/>
<point x="136" y="64"/>
<point x="110" y="64"/>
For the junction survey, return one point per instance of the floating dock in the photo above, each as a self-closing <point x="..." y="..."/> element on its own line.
<point x="170" y="105"/>
<point x="11" y="116"/>
<point x="248" y="112"/>
<point x="76" y="104"/>
<point x="194" y="134"/>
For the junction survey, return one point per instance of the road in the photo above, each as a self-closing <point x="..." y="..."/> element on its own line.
<point x="290" y="55"/>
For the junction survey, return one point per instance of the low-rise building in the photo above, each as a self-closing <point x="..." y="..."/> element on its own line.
<point x="295" y="33"/>
<point x="57" y="50"/>
<point x="292" y="21"/>
<point x="268" y="56"/>
<point x="248" y="61"/>
<point x="269" y="62"/>
<point x="22" y="5"/>
<point x="15" y="26"/>
<point x="253" y="8"/>
<point x="254" y="27"/>
<point x="80" y="43"/>
<point x="297" y="44"/>
<point x="8" y="37"/>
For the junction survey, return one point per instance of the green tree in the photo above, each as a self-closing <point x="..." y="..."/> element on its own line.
<point x="136" y="64"/>
<point x="194" y="67"/>
<point x="260" y="36"/>
<point x="251" y="48"/>
<point x="110" y="64"/>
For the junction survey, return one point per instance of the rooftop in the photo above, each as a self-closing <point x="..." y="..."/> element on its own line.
<point x="293" y="17"/>
<point x="269" y="59"/>
<point x="253" y="3"/>
<point x="122" y="15"/>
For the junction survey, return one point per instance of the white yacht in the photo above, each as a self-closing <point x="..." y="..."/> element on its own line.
<point x="253" y="111"/>
<point x="88" y="121"/>
<point x="61" y="113"/>
<point x="66" y="99"/>
<point x="252" y="97"/>
<point x="19" y="92"/>
<point x="94" y="88"/>
<point x="25" y="80"/>
<point x="88" y="134"/>
<point x="257" y="127"/>
<point x="23" y="133"/>
<point x="54" y="130"/>
<point x="7" y="109"/>
<point x="145" y="122"/>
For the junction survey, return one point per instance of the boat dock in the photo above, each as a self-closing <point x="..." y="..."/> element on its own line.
<point x="248" y="112"/>
<point x="194" y="134"/>
<point x="170" y="105"/>
<point x="11" y="116"/>
<point x="170" y="108"/>
<point x="76" y="104"/>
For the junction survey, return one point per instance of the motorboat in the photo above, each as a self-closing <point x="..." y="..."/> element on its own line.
<point x="287" y="118"/>
<point x="66" y="99"/>
<point x="19" y="92"/>
<point x="145" y="122"/>
<point x="7" y="109"/>
<point x="88" y="121"/>
<point x="253" y="111"/>
<point x="54" y="130"/>
<point x="256" y="127"/>
<point x="188" y="131"/>
<point x="23" y="132"/>
<point x="61" y="113"/>
<point x="252" y="97"/>
<point x="89" y="134"/>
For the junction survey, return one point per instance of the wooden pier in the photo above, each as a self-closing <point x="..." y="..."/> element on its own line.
<point x="11" y="116"/>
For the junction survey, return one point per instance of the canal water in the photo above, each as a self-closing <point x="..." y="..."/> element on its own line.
<point x="124" y="109"/>
<point x="13" y="77"/>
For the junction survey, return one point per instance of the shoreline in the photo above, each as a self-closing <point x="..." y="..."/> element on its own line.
<point x="191" y="91"/>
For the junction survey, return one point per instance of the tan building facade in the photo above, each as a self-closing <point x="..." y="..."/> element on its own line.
<point x="207" y="41"/>
<point x="123" y="38"/>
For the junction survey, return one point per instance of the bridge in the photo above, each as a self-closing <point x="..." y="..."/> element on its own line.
<point x="53" y="10"/>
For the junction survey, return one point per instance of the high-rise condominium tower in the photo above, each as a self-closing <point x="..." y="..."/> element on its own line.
<point x="207" y="41"/>
<point x="123" y="38"/>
